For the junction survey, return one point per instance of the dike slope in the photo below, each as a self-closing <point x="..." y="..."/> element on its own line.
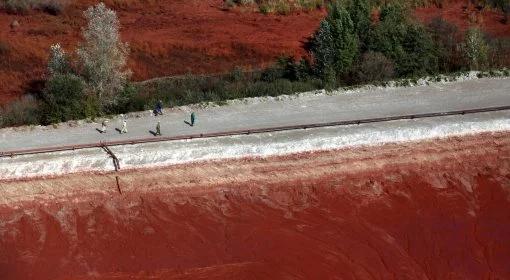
<point x="437" y="209"/>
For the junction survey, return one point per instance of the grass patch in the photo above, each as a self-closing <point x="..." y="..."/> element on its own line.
<point x="281" y="7"/>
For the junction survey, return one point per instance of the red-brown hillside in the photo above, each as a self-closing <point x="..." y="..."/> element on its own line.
<point x="177" y="37"/>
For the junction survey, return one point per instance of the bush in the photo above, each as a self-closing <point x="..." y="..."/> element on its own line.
<point x="24" y="111"/>
<point x="375" y="67"/>
<point x="52" y="7"/>
<point x="64" y="99"/>
<point x="446" y="37"/>
<point x="17" y="6"/>
<point x="128" y="100"/>
<point x="311" y="4"/>
<point x="499" y="52"/>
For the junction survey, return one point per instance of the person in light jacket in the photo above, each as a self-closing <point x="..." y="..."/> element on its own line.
<point x="103" y="126"/>
<point x="124" y="127"/>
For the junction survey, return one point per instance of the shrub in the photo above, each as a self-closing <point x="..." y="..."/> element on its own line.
<point x="17" y="6"/>
<point x="375" y="67"/>
<point x="265" y="9"/>
<point x="311" y="4"/>
<point x="128" y="100"/>
<point x="282" y="7"/>
<point x="294" y="71"/>
<point x="499" y="52"/>
<point x="24" y="111"/>
<point x="103" y="56"/>
<point x="64" y="99"/>
<point x="52" y="7"/>
<point x="445" y="37"/>
<point x="475" y="49"/>
<point x="236" y="75"/>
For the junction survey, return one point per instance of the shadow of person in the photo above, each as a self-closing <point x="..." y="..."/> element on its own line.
<point x="188" y="123"/>
<point x="153" y="133"/>
<point x="99" y="130"/>
<point x="118" y="129"/>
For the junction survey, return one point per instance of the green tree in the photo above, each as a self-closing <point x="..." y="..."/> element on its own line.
<point x="335" y="43"/>
<point x="359" y="11"/>
<point x="407" y="44"/>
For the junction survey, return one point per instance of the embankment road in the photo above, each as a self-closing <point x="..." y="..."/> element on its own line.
<point x="260" y="116"/>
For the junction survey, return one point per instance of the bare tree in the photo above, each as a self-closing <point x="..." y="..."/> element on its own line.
<point x="103" y="56"/>
<point x="475" y="49"/>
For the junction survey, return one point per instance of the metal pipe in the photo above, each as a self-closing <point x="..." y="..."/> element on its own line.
<point x="246" y="131"/>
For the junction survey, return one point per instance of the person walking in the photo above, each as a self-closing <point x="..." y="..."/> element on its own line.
<point x="158" y="128"/>
<point x="124" y="127"/>
<point x="103" y="126"/>
<point x="192" y="118"/>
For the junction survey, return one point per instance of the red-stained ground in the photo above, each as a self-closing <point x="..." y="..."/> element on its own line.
<point x="433" y="210"/>
<point x="181" y="36"/>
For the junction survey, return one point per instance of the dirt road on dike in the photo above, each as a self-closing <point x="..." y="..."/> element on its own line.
<point x="307" y="108"/>
<point x="437" y="209"/>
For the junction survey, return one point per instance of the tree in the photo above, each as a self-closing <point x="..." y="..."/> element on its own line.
<point x="58" y="62"/>
<point x="359" y="11"/>
<point x="103" y="56"/>
<point x="335" y="43"/>
<point x="475" y="49"/>
<point x="405" y="43"/>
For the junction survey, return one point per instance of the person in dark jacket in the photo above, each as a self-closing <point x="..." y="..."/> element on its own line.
<point x="159" y="108"/>
<point x="192" y="118"/>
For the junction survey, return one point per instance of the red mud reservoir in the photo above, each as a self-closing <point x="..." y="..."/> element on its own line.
<point x="436" y="209"/>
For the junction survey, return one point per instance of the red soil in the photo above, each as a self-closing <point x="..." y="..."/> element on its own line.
<point x="433" y="210"/>
<point x="178" y="37"/>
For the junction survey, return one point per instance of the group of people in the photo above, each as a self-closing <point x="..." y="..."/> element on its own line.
<point x="158" y="110"/>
